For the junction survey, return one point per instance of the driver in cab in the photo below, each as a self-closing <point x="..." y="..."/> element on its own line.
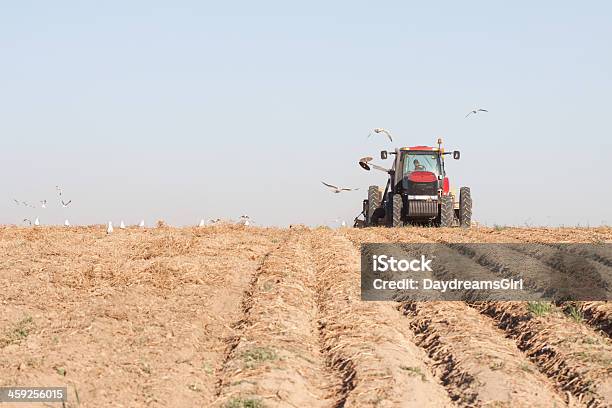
<point x="418" y="166"/>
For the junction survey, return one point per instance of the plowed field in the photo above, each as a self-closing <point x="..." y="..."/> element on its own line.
<point x="234" y="316"/>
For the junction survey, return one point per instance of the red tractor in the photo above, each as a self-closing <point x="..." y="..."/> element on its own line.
<point x="417" y="192"/>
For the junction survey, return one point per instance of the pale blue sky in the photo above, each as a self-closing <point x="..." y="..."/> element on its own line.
<point x="185" y="110"/>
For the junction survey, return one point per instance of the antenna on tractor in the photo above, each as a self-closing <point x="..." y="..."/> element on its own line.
<point x="439" y="143"/>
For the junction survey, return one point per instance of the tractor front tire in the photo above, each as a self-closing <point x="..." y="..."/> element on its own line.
<point x="374" y="200"/>
<point x="396" y="213"/>
<point x="465" y="207"/>
<point x="447" y="212"/>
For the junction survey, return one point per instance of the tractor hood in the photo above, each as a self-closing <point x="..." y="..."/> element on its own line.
<point x="420" y="183"/>
<point x="422" y="177"/>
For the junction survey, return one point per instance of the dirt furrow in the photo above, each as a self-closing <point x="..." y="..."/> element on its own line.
<point x="570" y="353"/>
<point x="276" y="360"/>
<point x="368" y="343"/>
<point x="538" y="276"/>
<point x="596" y="314"/>
<point x="598" y="250"/>
<point x="136" y="318"/>
<point x="477" y="364"/>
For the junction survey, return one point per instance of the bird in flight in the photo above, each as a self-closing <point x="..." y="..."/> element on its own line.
<point x="365" y="163"/>
<point x="215" y="220"/>
<point x="16" y="201"/>
<point x="245" y="220"/>
<point x="381" y="130"/>
<point x="65" y="203"/>
<point x="475" y="111"/>
<point x="25" y="220"/>
<point x="336" y="189"/>
<point x="43" y="204"/>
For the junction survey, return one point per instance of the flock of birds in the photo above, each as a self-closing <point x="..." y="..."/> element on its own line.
<point x="43" y="205"/>
<point x="242" y="220"/>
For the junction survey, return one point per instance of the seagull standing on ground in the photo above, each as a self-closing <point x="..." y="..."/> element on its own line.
<point x="475" y="111"/>
<point x="381" y="130"/>
<point x="245" y="220"/>
<point x="110" y="227"/>
<point x="122" y="225"/>
<point x="142" y="224"/>
<point x="202" y="223"/>
<point x="36" y="222"/>
<point x="336" y="189"/>
<point x="66" y="223"/>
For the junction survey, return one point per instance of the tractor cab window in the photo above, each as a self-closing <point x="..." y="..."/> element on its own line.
<point x="421" y="162"/>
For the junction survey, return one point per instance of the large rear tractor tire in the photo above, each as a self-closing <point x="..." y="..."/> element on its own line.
<point x="447" y="213"/>
<point x="465" y="207"/>
<point x="396" y="213"/>
<point x="374" y="200"/>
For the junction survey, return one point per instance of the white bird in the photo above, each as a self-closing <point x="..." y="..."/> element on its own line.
<point x="65" y="203"/>
<point x="110" y="227"/>
<point x="16" y="201"/>
<point x="142" y="224"/>
<point x="245" y="220"/>
<point x="341" y="222"/>
<point x="36" y="222"/>
<point x="381" y="130"/>
<point x="43" y="204"/>
<point x="122" y="225"/>
<point x="336" y="189"/>
<point x="475" y="111"/>
<point x="365" y="163"/>
<point x="66" y="223"/>
<point x="202" y="223"/>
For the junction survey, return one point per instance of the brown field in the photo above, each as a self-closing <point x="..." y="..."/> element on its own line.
<point x="233" y="316"/>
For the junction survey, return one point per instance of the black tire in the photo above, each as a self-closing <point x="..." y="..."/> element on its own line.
<point x="465" y="207"/>
<point x="374" y="199"/>
<point x="447" y="213"/>
<point x="396" y="213"/>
